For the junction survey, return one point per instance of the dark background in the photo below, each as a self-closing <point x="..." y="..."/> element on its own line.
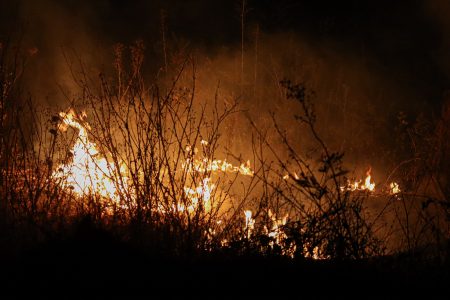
<point x="406" y="40"/>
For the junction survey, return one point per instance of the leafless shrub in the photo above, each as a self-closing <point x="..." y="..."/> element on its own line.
<point x="156" y="132"/>
<point x="326" y="221"/>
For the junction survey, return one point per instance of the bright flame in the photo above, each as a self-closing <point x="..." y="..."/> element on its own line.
<point x="367" y="184"/>
<point x="89" y="173"/>
<point x="249" y="223"/>
<point x="394" y="188"/>
<point x="357" y="186"/>
<point x="201" y="192"/>
<point x="205" y="164"/>
<point x="276" y="231"/>
<point x="315" y="253"/>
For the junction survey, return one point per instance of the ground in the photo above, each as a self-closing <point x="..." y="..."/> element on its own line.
<point x="94" y="264"/>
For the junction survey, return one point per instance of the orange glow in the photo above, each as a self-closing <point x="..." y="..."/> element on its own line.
<point x="200" y="193"/>
<point x="203" y="165"/>
<point x="249" y="223"/>
<point x="394" y="188"/>
<point x="89" y="173"/>
<point x="359" y="186"/>
<point x="368" y="185"/>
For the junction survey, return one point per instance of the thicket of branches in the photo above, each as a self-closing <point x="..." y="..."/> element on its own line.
<point x="300" y="210"/>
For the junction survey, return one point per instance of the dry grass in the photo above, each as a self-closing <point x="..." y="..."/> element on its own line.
<point x="146" y="129"/>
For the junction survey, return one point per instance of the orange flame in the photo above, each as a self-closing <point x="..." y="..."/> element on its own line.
<point x="201" y="193"/>
<point x="357" y="186"/>
<point x="193" y="164"/>
<point x="89" y="173"/>
<point x="249" y="223"/>
<point x="394" y="188"/>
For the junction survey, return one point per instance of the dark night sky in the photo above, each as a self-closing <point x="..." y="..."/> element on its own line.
<point x="406" y="41"/>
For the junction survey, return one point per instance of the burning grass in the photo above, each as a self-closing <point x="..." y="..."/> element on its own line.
<point x="147" y="164"/>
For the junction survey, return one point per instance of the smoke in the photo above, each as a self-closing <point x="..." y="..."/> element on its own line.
<point x="57" y="32"/>
<point x="365" y="62"/>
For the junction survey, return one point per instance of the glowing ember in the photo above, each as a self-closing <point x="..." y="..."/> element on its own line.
<point x="315" y="253"/>
<point x="89" y="173"/>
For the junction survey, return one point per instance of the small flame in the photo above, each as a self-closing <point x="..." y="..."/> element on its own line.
<point x="205" y="164"/>
<point x="276" y="231"/>
<point x="356" y="185"/>
<point x="315" y="253"/>
<point x="367" y="184"/>
<point x="249" y="223"/>
<point x="394" y="188"/>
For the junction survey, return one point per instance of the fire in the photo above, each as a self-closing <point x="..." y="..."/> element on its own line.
<point x="394" y="188"/>
<point x="204" y="165"/>
<point x="287" y="176"/>
<point x="368" y="185"/>
<point x="89" y="173"/>
<point x="315" y="253"/>
<point x="201" y="193"/>
<point x="249" y="223"/>
<point x="357" y="186"/>
<point x="276" y="231"/>
<point x="278" y="234"/>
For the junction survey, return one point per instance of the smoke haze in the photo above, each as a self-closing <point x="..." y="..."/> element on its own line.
<point x="366" y="62"/>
